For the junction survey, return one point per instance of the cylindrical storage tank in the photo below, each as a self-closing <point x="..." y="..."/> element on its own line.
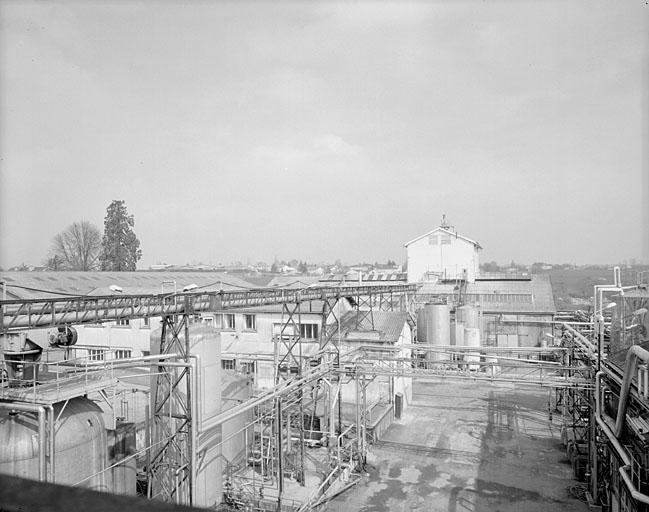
<point x="438" y="322"/>
<point x="472" y="339"/>
<point x="204" y="341"/>
<point x="422" y="335"/>
<point x="80" y="444"/>
<point x="469" y="316"/>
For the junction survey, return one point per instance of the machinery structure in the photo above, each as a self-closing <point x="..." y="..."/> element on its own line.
<point x="595" y="368"/>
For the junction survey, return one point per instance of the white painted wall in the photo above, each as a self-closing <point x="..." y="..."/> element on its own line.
<point x="442" y="252"/>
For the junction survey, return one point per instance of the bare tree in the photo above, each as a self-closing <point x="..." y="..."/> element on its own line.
<point x="75" y="248"/>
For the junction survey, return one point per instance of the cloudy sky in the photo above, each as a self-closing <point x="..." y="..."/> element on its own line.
<point x="320" y="130"/>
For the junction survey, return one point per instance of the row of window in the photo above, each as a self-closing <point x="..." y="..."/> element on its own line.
<point x="227" y="321"/>
<point x="127" y="321"/>
<point x="245" y="367"/>
<point x="99" y="354"/>
<point x="500" y="297"/>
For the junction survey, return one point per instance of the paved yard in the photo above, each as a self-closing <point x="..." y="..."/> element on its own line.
<point x="468" y="447"/>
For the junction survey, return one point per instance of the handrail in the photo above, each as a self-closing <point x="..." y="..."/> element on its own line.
<point x="20" y="314"/>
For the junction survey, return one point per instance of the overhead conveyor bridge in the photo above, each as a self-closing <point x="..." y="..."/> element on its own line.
<point x="28" y="314"/>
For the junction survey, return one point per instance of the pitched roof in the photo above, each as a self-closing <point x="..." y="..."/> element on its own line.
<point x="448" y="232"/>
<point x="357" y="326"/>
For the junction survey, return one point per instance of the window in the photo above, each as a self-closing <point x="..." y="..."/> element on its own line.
<point x="146" y="321"/>
<point x="224" y="321"/>
<point x="249" y="322"/>
<point x="122" y="354"/>
<point x="284" y="329"/>
<point x="123" y="321"/>
<point x="309" y="331"/>
<point x="248" y="367"/>
<point x="95" y="354"/>
<point x="227" y="364"/>
<point x="433" y="240"/>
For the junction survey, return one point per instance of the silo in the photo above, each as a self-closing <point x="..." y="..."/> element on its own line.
<point x="469" y="316"/>
<point x="422" y="335"/>
<point x="472" y="339"/>
<point x="80" y="444"/>
<point x="205" y="342"/>
<point x="438" y="323"/>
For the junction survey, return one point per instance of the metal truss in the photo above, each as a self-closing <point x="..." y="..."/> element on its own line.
<point x="170" y="464"/>
<point x="29" y="314"/>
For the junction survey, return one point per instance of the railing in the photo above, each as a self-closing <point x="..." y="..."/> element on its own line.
<point x="24" y="314"/>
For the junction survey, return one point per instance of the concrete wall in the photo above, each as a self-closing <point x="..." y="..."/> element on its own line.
<point x="430" y="254"/>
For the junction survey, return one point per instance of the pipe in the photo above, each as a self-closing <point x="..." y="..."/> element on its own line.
<point x="176" y="479"/>
<point x="637" y="495"/>
<point x="24" y="407"/>
<point x="279" y="390"/>
<point x="621" y="451"/>
<point x="635" y="352"/>
<point x="51" y="435"/>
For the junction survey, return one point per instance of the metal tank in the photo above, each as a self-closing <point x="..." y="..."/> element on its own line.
<point x="422" y="335"/>
<point x="438" y="329"/>
<point x="469" y="316"/>
<point x="472" y="339"/>
<point x="205" y="342"/>
<point x="80" y="444"/>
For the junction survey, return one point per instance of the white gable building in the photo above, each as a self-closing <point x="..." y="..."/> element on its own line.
<point x="442" y="254"/>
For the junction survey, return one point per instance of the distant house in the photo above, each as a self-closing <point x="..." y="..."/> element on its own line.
<point x="441" y="255"/>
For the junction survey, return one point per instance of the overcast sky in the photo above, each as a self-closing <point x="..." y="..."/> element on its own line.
<point x="320" y="130"/>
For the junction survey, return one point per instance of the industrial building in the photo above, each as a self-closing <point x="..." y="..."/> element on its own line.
<point x="442" y="255"/>
<point x="236" y="397"/>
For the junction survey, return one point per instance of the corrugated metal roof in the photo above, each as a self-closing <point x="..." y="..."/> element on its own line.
<point x="389" y="325"/>
<point x="501" y="296"/>
<point x="36" y="285"/>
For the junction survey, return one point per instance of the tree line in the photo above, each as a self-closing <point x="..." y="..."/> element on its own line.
<point x="81" y="246"/>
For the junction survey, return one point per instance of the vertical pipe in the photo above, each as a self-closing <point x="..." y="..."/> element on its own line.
<point x="280" y="456"/>
<point x="50" y="437"/>
<point x="364" y="426"/>
<point x="147" y="453"/>
<point x="190" y="407"/>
